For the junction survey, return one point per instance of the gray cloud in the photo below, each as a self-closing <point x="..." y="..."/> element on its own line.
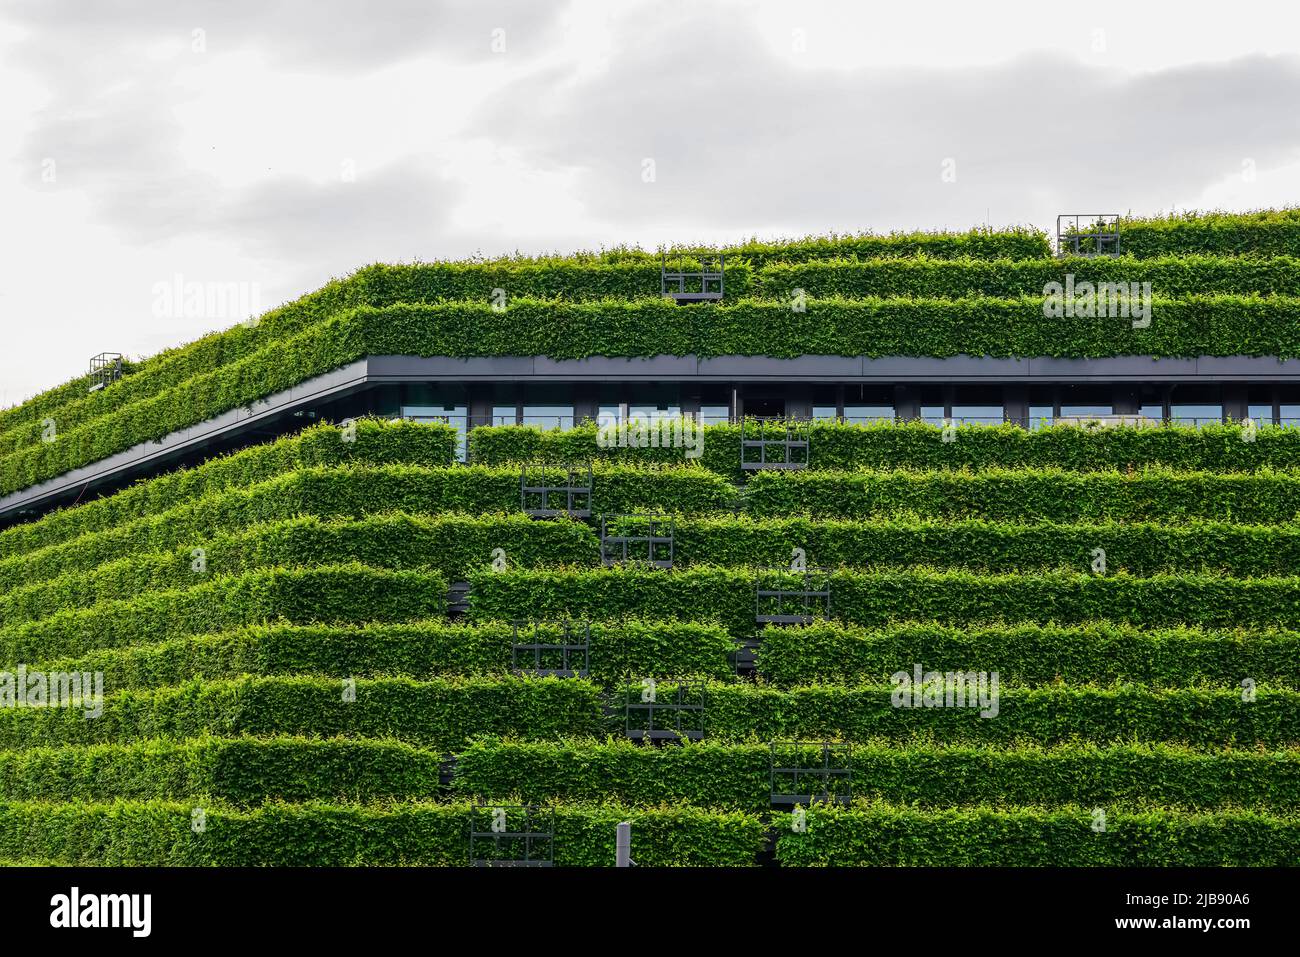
<point x="739" y="136"/>
<point x="317" y="35"/>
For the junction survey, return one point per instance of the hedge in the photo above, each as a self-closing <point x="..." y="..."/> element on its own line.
<point x="738" y="776"/>
<point x="884" y="835"/>
<point x="376" y="443"/>
<point x="356" y="492"/>
<point x="1197" y="717"/>
<point x="1270" y="232"/>
<point x="240" y="771"/>
<point x="348" y="593"/>
<point x="1029" y="495"/>
<point x="882" y="597"/>
<point x="448" y="545"/>
<point x="1170" y="276"/>
<point x="917" y="445"/>
<point x="654" y="327"/>
<point x="440" y="713"/>
<point x="1138" y="548"/>
<point x="161" y="834"/>
<point x="1028" y="654"/>
<point x="415" y="649"/>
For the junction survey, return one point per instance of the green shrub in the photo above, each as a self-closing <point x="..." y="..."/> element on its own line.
<point x="324" y="594"/>
<point x="876" y="598"/>
<point x="160" y="834"/>
<point x="1271" y="232"/>
<point x="1030" y="837"/>
<point x="739" y="775"/>
<point x="1028" y="654"/>
<point x="376" y="443"/>
<point x="917" y="445"/>
<point x="415" y="649"/>
<point x="441" y="713"/>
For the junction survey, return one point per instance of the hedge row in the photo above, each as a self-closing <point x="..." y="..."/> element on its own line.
<point x="375" y="443"/>
<point x="1016" y="242"/>
<point x="448" y="545"/>
<point x="978" y="545"/>
<point x="440" y="713"/>
<point x="359" y="491"/>
<point x="161" y="834"/>
<point x="238" y="771"/>
<point x="1025" y="654"/>
<point x="1169" y="276"/>
<point x="917" y="445"/>
<point x="1046" y="716"/>
<point x="1031" y="494"/>
<point x="414" y="649"/>
<point x="566" y="331"/>
<point x="326" y="594"/>
<point x="1271" y="232"/>
<point x="883" y="836"/>
<point x="453" y="545"/>
<point x="1004" y="327"/>
<point x="882" y="597"/>
<point x="739" y="776"/>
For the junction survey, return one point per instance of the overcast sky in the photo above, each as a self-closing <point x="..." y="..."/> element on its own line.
<point x="278" y="144"/>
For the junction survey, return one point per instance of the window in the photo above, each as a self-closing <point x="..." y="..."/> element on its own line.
<point x="978" y="414"/>
<point x="1087" y="411"/>
<point x="1196" y="415"/>
<point x="933" y="414"/>
<point x="1040" y="416"/>
<point x="1260" y="414"/>
<point x="868" y="413"/>
<point x="457" y="416"/>
<point x="715" y="414"/>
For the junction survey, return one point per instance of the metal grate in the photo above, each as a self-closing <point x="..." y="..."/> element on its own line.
<point x="457" y="599"/>
<point x="705" y="284"/>
<point x="811" y="772"/>
<point x="774" y="443"/>
<point x="678" y="715"/>
<point x="779" y="601"/>
<point x="1087" y="234"/>
<point x="105" y="368"/>
<point x="512" y="836"/>
<point x="538" y="497"/>
<point x="637" y="538"/>
<point x="570" y="657"/>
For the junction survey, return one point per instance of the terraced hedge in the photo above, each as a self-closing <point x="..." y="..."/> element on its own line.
<point x="236" y="771"/>
<point x="359" y="492"/>
<point x="1046" y="716"/>
<point x="447" y="545"/>
<point x="1030" y="495"/>
<point x="738" y="775"/>
<point x="413" y="649"/>
<point x="917" y="445"/>
<point x="1170" y="276"/>
<point x="376" y="443"/>
<point x="160" y="833"/>
<point x="1028" y="654"/>
<point x="1272" y="232"/>
<point x="881" y="597"/>
<point x="884" y="835"/>
<point x="351" y="593"/>
<point x="441" y="713"/>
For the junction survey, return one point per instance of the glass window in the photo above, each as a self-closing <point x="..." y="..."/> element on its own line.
<point x="1040" y="416"/>
<point x="549" y="416"/>
<point x="868" y="413"/>
<point x="825" y="413"/>
<point x="503" y="415"/>
<point x="978" y="414"/>
<point x="932" y="414"/>
<point x="1289" y="414"/>
<point x="1260" y="414"/>
<point x="1087" y="411"/>
<point x="457" y="416"/>
<point x="715" y="414"/>
<point x="1196" y="415"/>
